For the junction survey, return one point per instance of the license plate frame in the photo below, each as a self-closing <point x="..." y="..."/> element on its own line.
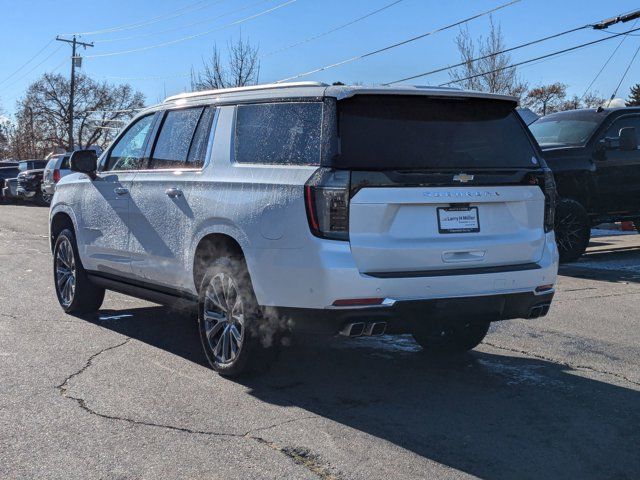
<point x="464" y="225"/>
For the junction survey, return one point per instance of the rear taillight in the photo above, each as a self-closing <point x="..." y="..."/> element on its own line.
<point x="326" y="196"/>
<point x="56" y="176"/>
<point x="548" y="185"/>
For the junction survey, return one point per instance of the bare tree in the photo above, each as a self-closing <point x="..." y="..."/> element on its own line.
<point x="545" y="99"/>
<point x="485" y="69"/>
<point x="242" y="68"/>
<point x="591" y="100"/>
<point x="42" y="117"/>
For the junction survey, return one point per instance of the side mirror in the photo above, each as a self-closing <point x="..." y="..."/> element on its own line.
<point x="84" y="161"/>
<point x="628" y="139"/>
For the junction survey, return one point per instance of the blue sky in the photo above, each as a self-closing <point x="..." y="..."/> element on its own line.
<point x="27" y="26"/>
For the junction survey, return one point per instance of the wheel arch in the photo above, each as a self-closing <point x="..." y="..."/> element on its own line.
<point x="60" y="220"/>
<point x="211" y="246"/>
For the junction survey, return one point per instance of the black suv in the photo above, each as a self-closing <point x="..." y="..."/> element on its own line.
<point x="596" y="163"/>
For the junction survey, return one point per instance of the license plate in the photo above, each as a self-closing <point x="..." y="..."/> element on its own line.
<point x="458" y="220"/>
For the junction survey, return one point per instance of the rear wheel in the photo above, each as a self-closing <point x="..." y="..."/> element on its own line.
<point x="452" y="339"/>
<point x="75" y="292"/>
<point x="572" y="229"/>
<point x="229" y="319"/>
<point x="43" y="199"/>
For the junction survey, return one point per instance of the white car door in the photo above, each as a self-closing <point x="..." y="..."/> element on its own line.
<point x="104" y="223"/>
<point x="166" y="198"/>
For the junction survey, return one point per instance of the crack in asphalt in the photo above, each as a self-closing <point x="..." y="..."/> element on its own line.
<point x="299" y="455"/>
<point x="561" y="362"/>
<point x="305" y="458"/>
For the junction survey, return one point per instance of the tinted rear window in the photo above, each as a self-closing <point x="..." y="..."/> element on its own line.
<point x="395" y="132"/>
<point x="279" y="133"/>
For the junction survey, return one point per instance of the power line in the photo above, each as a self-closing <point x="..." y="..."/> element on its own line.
<point x="184" y="75"/>
<point x="36" y="66"/>
<point x="625" y="74"/>
<point x="605" y="63"/>
<point x="335" y="29"/>
<point x="398" y="44"/>
<point x="511" y="49"/>
<point x="181" y="27"/>
<point x="130" y="26"/>
<point x="553" y="54"/>
<point x="28" y="61"/>
<point x="190" y="37"/>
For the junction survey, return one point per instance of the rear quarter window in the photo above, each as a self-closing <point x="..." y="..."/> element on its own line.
<point x="286" y="133"/>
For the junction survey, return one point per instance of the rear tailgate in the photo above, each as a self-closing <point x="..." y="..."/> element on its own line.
<point x="437" y="229"/>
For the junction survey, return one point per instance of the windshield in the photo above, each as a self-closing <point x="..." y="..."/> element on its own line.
<point x="410" y="132"/>
<point x="565" y="129"/>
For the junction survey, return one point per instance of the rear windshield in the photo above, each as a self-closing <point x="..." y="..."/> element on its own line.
<point x="396" y="132"/>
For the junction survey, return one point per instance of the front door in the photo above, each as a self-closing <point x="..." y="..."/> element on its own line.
<point x="105" y="204"/>
<point x="164" y="198"/>
<point x="618" y="171"/>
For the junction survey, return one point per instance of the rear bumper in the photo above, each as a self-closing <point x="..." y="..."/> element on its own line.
<point x="412" y="315"/>
<point x="314" y="278"/>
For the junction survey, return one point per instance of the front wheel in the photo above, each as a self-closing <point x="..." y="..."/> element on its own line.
<point x="75" y="292"/>
<point x="573" y="230"/>
<point x="229" y="320"/>
<point x="453" y="339"/>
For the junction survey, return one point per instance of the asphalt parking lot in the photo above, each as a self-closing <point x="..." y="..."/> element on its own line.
<point x="126" y="394"/>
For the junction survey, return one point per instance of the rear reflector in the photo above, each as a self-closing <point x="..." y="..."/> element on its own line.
<point x="355" y="302"/>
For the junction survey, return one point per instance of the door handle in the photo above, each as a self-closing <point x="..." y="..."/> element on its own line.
<point x="173" y="192"/>
<point x="120" y="191"/>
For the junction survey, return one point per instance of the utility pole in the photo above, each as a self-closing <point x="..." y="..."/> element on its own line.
<point x="74" y="59"/>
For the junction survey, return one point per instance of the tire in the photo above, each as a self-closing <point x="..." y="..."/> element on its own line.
<point x="572" y="229"/>
<point x="452" y="339"/>
<point x="76" y="294"/>
<point x="43" y="199"/>
<point x="230" y="321"/>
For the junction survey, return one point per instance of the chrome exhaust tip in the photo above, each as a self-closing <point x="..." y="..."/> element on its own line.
<point x="375" y="329"/>
<point x="353" y="329"/>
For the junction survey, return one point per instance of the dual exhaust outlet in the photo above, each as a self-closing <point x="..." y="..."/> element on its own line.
<point x="361" y="329"/>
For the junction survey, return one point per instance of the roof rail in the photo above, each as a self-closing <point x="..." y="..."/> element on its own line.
<point x="251" y="88"/>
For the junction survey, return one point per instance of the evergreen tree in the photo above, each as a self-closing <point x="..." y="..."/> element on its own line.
<point x="634" y="98"/>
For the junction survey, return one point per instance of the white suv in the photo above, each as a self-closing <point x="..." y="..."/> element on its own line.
<point x="314" y="208"/>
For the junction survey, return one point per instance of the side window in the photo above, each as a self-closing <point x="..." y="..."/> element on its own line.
<point x="198" y="149"/>
<point x="631" y="121"/>
<point x="128" y="152"/>
<point x="177" y="131"/>
<point x="279" y="133"/>
<point x="65" y="163"/>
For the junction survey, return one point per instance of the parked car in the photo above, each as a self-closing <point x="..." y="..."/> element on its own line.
<point x="314" y="208"/>
<point x="57" y="167"/>
<point x="30" y="183"/>
<point x="10" y="189"/>
<point x="12" y="172"/>
<point x="594" y="156"/>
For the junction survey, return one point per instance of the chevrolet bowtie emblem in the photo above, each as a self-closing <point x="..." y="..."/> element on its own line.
<point x="463" y="178"/>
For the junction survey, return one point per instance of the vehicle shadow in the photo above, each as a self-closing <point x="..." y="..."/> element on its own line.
<point x="620" y="265"/>
<point x="492" y="415"/>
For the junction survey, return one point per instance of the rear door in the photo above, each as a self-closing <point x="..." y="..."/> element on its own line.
<point x="164" y="197"/>
<point x="451" y="188"/>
